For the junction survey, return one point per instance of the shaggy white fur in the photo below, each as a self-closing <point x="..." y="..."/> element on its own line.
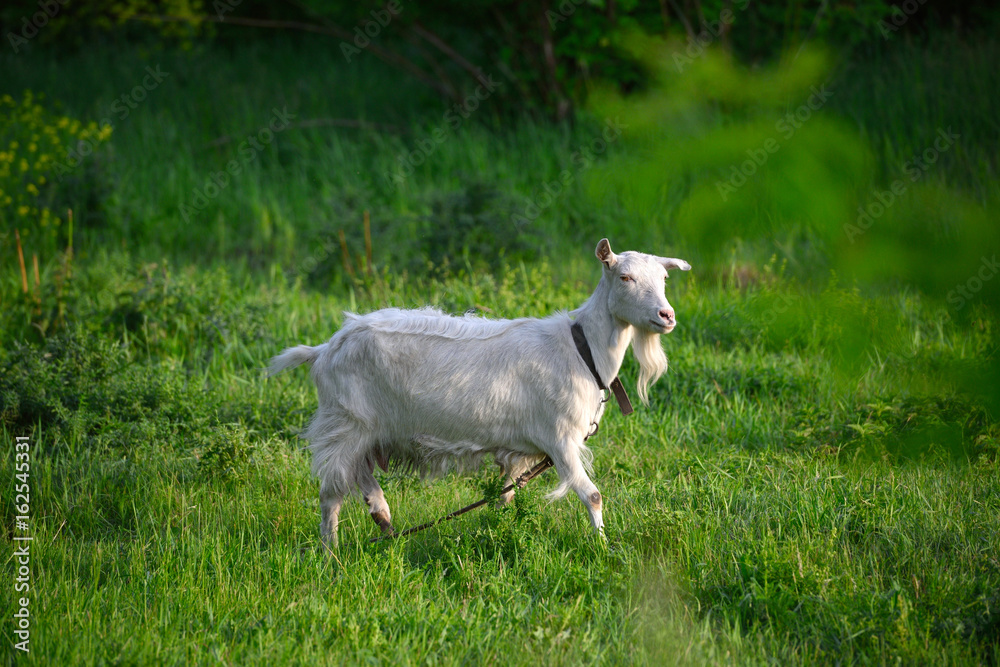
<point x="425" y="390"/>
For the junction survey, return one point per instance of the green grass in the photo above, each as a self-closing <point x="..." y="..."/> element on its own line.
<point x="310" y="182"/>
<point x="815" y="487"/>
<point x="756" y="510"/>
<point x="900" y="97"/>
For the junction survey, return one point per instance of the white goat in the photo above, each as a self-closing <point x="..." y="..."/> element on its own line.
<point x="430" y="391"/>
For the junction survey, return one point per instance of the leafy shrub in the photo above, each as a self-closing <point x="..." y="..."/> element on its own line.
<point x="226" y="452"/>
<point x="903" y="429"/>
<point x="86" y="388"/>
<point x="44" y="385"/>
<point x="474" y="226"/>
<point x="163" y="311"/>
<point x="43" y="168"/>
<point x="75" y="25"/>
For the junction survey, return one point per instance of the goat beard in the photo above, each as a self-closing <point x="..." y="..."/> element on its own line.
<point x="652" y="360"/>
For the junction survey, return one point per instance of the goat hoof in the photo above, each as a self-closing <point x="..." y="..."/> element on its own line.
<point x="382" y="520"/>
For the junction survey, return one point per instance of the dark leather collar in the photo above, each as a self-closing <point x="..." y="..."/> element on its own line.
<point x="617" y="388"/>
<point x="583" y="347"/>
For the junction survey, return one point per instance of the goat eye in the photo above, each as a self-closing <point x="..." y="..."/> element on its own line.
<point x="625" y="279"/>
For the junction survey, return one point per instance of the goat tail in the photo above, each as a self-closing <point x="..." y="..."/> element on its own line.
<point x="294" y="356"/>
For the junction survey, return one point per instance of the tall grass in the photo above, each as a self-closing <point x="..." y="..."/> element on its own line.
<point x="900" y="95"/>
<point x="756" y="509"/>
<point x="311" y="181"/>
<point x="771" y="504"/>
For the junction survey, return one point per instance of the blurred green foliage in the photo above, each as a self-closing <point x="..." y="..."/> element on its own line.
<point x="778" y="165"/>
<point x="75" y="25"/>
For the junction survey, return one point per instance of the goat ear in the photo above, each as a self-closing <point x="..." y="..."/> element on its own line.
<point x="673" y="263"/>
<point x="604" y="253"/>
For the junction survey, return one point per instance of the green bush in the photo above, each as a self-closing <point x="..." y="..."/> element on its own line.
<point x="45" y="169"/>
<point x="87" y="388"/>
<point x="473" y="226"/>
<point x="226" y="452"/>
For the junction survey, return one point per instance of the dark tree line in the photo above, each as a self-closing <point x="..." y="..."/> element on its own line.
<point x="547" y="51"/>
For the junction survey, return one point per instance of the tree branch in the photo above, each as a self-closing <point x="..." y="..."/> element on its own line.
<point x="551" y="66"/>
<point x="683" y="19"/>
<point x="456" y="57"/>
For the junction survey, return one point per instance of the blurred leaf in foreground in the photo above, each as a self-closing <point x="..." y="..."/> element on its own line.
<point x="760" y="163"/>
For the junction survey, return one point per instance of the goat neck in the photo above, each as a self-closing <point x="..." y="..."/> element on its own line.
<point x="608" y="336"/>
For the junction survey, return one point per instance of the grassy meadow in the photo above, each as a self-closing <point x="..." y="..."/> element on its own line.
<point x="810" y="490"/>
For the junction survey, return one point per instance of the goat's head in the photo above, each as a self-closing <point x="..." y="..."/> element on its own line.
<point x="637" y="283"/>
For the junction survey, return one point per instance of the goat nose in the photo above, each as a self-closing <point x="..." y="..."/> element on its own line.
<point x="667" y="314"/>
